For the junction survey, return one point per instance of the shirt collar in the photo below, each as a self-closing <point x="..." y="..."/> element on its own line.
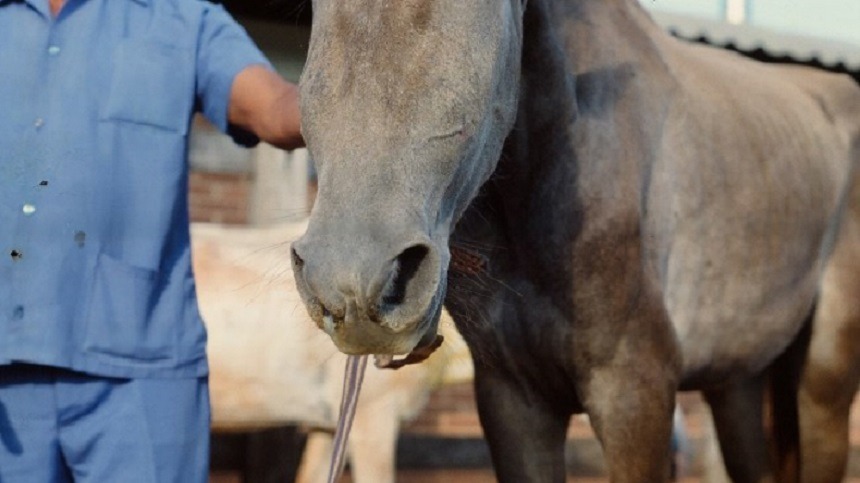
<point x="42" y="5"/>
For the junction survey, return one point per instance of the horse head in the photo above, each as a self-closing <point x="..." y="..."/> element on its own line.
<point x="406" y="105"/>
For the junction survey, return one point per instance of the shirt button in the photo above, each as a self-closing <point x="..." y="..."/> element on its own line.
<point x="39" y="122"/>
<point x="16" y="255"/>
<point x="53" y="50"/>
<point x="28" y="209"/>
<point x="18" y="312"/>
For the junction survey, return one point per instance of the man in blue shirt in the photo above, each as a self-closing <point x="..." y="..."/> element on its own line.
<point x="102" y="351"/>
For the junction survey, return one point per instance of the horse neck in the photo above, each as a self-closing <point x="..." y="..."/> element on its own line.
<point x="579" y="60"/>
<point x="591" y="34"/>
<point x="577" y="50"/>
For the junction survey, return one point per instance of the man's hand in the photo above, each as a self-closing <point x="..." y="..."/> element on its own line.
<point x="265" y="104"/>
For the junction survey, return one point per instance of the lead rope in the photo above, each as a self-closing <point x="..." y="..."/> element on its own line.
<point x="352" y="378"/>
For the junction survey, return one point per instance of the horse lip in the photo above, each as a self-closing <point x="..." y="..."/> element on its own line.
<point x="361" y="335"/>
<point x="419" y="354"/>
<point x="358" y="333"/>
<point x="429" y="342"/>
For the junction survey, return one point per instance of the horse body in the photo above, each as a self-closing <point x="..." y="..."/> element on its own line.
<point x="757" y="176"/>
<point x="657" y="216"/>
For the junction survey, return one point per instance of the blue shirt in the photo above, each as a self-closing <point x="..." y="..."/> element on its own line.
<point x="95" y="108"/>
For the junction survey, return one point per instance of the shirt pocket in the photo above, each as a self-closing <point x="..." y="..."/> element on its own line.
<point x="151" y="84"/>
<point x="133" y="313"/>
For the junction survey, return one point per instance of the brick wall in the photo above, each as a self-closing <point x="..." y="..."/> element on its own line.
<point x="219" y="197"/>
<point x="451" y="411"/>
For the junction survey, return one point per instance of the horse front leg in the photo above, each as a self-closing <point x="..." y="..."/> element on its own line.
<point x="525" y="434"/>
<point x="631" y="413"/>
<point x="628" y="380"/>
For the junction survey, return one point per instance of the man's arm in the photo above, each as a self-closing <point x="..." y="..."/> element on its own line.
<point x="267" y="105"/>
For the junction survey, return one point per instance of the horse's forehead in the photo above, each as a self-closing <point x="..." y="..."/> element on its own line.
<point x="371" y="67"/>
<point x="403" y="46"/>
<point x="383" y="19"/>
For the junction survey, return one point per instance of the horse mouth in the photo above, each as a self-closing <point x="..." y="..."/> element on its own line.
<point x="415" y="340"/>
<point x="418" y="355"/>
<point x="427" y="345"/>
<point x="394" y="311"/>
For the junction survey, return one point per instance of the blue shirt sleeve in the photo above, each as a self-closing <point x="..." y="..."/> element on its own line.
<point x="224" y="50"/>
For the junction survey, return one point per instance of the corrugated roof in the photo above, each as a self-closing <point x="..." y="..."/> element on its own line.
<point x="747" y="38"/>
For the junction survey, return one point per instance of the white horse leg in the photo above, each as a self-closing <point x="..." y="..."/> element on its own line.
<point x="316" y="458"/>
<point x="373" y="443"/>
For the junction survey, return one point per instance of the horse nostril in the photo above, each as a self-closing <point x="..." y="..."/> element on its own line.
<point x="298" y="262"/>
<point x="407" y="266"/>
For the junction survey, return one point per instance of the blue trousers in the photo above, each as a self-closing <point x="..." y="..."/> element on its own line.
<point x="59" y="426"/>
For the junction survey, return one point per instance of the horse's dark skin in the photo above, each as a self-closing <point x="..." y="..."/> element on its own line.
<point x="648" y="223"/>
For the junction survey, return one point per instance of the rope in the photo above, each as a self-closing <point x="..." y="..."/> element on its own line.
<point x="352" y="378"/>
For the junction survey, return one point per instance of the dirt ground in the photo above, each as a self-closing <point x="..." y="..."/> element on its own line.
<point x="453" y="476"/>
<point x="467" y="426"/>
<point x="441" y="476"/>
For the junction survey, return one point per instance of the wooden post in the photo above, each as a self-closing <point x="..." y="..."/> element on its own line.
<point x="736" y="11"/>
<point x="280" y="185"/>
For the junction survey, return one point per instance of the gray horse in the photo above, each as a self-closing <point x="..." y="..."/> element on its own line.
<point x="609" y="214"/>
